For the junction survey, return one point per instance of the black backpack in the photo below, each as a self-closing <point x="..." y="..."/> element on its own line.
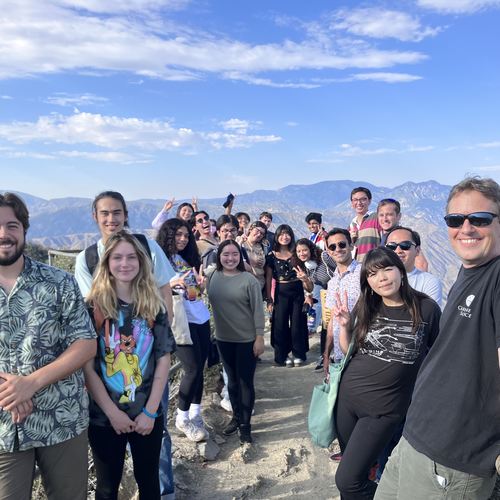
<point x="92" y="257"/>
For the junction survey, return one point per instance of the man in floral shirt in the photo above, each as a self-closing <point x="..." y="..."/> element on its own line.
<point x="46" y="336"/>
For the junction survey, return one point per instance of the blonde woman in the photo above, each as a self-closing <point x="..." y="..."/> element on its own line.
<point x="127" y="378"/>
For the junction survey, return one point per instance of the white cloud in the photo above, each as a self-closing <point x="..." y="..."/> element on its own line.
<point x="380" y="23"/>
<point x="30" y="155"/>
<point x="292" y="124"/>
<point x="377" y="77"/>
<point x="117" y="133"/>
<point x="51" y="36"/>
<point x="495" y="144"/>
<point x="417" y="148"/>
<point x="489" y="169"/>
<point x="235" y="123"/>
<point x="140" y="82"/>
<point x="63" y="99"/>
<point x="111" y="156"/>
<point x="235" y="75"/>
<point x="6" y="97"/>
<point x="324" y="161"/>
<point x="355" y="151"/>
<point x="457" y="6"/>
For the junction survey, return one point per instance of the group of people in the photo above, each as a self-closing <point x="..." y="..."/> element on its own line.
<point x="108" y="333"/>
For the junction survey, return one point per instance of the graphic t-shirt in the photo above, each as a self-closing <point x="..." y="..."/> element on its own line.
<point x="196" y="310"/>
<point x="126" y="361"/>
<point x="282" y="268"/>
<point x="380" y="377"/>
<point x="454" y="417"/>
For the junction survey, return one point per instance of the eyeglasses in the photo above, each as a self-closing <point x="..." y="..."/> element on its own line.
<point x="404" y="245"/>
<point x="359" y="200"/>
<point x="201" y="221"/>
<point x="390" y="200"/>
<point x="477" y="219"/>
<point x="333" y="246"/>
<point x="225" y="231"/>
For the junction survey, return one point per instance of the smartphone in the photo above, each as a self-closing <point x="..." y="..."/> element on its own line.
<point x="229" y="198"/>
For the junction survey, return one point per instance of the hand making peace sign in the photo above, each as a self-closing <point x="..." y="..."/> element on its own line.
<point x="341" y="310"/>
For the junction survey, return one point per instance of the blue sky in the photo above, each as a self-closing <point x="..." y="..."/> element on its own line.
<point x="163" y="98"/>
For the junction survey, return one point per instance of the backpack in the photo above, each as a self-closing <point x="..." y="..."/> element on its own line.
<point x="92" y="256"/>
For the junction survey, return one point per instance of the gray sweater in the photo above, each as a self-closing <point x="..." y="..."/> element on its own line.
<point x="236" y="305"/>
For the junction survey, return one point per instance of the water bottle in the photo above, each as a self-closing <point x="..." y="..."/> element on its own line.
<point x="311" y="318"/>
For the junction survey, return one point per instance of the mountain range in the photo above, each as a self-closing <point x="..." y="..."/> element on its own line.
<point x="68" y="222"/>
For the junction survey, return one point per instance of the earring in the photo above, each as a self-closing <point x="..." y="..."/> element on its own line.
<point x="402" y="281"/>
<point x="372" y="291"/>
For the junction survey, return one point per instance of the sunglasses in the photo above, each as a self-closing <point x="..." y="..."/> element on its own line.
<point x="477" y="219"/>
<point x="333" y="246"/>
<point x="200" y="221"/>
<point x="404" y="245"/>
<point x="390" y="200"/>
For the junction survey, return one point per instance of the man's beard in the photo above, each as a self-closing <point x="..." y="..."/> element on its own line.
<point x="12" y="259"/>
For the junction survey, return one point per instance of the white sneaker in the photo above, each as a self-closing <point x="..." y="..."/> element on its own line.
<point x="226" y="404"/>
<point x="192" y="432"/>
<point x="198" y="423"/>
<point x="297" y="361"/>
<point x="288" y="363"/>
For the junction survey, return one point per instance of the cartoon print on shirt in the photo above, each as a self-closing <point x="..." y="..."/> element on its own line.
<point x="129" y="347"/>
<point x="393" y="341"/>
<point x="192" y="293"/>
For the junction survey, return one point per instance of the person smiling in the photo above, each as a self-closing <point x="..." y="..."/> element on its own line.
<point x="184" y="211"/>
<point x="288" y="324"/>
<point x="452" y="431"/>
<point x="200" y="221"/>
<point x="128" y="375"/>
<point x="236" y="300"/>
<point x="392" y="326"/>
<point x="110" y="213"/>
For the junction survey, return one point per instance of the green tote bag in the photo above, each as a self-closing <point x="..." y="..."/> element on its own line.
<point x="321" y="417"/>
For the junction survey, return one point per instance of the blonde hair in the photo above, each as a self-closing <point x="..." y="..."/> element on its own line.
<point x="146" y="297"/>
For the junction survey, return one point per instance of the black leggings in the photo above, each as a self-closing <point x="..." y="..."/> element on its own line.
<point x="239" y="363"/>
<point x="193" y="358"/>
<point x="289" y="325"/>
<point x="108" y="450"/>
<point x="362" y="439"/>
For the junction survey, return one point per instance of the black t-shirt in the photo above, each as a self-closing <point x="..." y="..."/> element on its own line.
<point x="381" y="375"/>
<point x="454" y="418"/>
<point x="127" y="370"/>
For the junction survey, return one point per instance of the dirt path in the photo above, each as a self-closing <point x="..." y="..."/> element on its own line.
<point x="281" y="462"/>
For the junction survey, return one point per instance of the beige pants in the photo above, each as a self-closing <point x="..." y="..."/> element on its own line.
<point x="63" y="468"/>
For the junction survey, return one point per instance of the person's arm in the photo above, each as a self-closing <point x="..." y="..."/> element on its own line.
<point x="144" y="423"/>
<point x="160" y="219"/>
<point x="119" y="420"/>
<point x="18" y="389"/>
<point x="255" y="298"/>
<point x="194" y="203"/>
<point x="306" y="281"/>
<point x="82" y="274"/>
<point x="166" y="293"/>
<point x="230" y="206"/>
<point x="421" y="262"/>
<point x="269" y="284"/>
<point x="342" y="315"/>
<point x="328" y="346"/>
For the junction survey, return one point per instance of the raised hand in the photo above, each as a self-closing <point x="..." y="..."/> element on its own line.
<point x="301" y="274"/>
<point x="200" y="279"/>
<point x="169" y="205"/>
<point x="194" y="202"/>
<point x="341" y="310"/>
<point x="179" y="282"/>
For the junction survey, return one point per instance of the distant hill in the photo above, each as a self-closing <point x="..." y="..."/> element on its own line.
<point x="68" y="222"/>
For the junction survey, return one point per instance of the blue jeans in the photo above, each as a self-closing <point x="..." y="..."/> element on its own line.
<point x="166" y="475"/>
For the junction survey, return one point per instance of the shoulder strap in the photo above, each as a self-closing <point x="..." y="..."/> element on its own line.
<point x="92" y="258"/>
<point x="144" y="242"/>
<point x="98" y="318"/>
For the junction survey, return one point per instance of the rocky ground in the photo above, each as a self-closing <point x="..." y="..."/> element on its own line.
<point x="281" y="462"/>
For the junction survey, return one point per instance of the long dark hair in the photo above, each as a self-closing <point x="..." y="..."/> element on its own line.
<point x="284" y="228"/>
<point x="224" y="244"/>
<point x="313" y="249"/>
<point x="369" y="303"/>
<point x="181" y="206"/>
<point x="166" y="240"/>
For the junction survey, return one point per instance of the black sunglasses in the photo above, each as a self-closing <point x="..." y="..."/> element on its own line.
<point x="404" y="245"/>
<point x="333" y="246"/>
<point x="478" y="219"/>
<point x="200" y="221"/>
<point x="390" y="200"/>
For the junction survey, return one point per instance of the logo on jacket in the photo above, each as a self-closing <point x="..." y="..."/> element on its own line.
<point x="469" y="300"/>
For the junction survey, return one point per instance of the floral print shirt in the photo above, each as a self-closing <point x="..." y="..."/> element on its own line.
<point x="40" y="318"/>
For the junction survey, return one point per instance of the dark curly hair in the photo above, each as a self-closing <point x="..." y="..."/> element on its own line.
<point x="166" y="240"/>
<point x="313" y="249"/>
